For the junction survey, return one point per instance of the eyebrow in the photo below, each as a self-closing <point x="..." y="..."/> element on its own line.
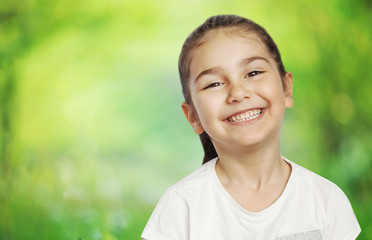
<point x="243" y="62"/>
<point x="246" y="61"/>
<point x="213" y="70"/>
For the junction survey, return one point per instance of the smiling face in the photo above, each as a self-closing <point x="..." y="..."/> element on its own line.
<point x="237" y="91"/>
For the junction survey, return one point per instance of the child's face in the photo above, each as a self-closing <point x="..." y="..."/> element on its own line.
<point x="236" y="91"/>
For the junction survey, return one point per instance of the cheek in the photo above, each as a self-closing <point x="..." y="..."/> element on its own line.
<point x="207" y="108"/>
<point x="272" y="92"/>
<point x="204" y="108"/>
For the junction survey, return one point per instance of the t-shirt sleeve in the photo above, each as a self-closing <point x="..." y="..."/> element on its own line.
<point x="342" y="224"/>
<point x="170" y="219"/>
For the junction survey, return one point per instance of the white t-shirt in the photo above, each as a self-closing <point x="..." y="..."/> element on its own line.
<point x="198" y="207"/>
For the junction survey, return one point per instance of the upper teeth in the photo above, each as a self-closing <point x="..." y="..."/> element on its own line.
<point x="245" y="116"/>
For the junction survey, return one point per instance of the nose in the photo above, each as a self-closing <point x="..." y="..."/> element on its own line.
<point x="237" y="93"/>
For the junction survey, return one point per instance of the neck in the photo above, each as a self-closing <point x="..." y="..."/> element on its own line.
<point x="254" y="166"/>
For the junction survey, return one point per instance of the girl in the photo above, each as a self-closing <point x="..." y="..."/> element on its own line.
<point x="236" y="91"/>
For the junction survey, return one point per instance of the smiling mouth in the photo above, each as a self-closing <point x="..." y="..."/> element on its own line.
<point x="246" y="116"/>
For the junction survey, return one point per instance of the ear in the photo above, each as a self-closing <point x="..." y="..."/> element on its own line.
<point x="192" y="118"/>
<point x="288" y="89"/>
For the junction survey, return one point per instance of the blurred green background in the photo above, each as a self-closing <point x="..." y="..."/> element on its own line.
<point x="92" y="132"/>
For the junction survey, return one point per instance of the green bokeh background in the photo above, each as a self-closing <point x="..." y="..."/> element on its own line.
<point x="92" y="132"/>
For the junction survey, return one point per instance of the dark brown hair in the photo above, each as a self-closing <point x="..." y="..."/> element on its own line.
<point x="198" y="37"/>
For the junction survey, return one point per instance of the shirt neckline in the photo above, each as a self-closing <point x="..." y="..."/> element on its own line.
<point x="277" y="204"/>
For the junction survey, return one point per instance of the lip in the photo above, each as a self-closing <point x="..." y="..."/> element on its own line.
<point x="243" y="111"/>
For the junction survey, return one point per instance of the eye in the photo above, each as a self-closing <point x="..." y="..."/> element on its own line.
<point x="215" y="84"/>
<point x="253" y="73"/>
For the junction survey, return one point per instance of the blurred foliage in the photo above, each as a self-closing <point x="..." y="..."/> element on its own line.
<point x="91" y="131"/>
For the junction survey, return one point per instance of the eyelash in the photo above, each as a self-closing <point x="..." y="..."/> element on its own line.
<point x="253" y="73"/>
<point x="215" y="84"/>
<point x="250" y="74"/>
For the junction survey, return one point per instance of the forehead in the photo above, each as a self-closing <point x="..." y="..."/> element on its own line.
<point x="224" y="48"/>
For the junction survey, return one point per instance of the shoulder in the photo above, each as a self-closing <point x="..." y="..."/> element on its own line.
<point x="187" y="187"/>
<point x="191" y="184"/>
<point x="171" y="215"/>
<point x="339" y="216"/>
<point x="312" y="181"/>
<point x="195" y="181"/>
<point x="322" y="190"/>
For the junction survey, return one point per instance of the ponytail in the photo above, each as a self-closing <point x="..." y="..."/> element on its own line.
<point x="209" y="150"/>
